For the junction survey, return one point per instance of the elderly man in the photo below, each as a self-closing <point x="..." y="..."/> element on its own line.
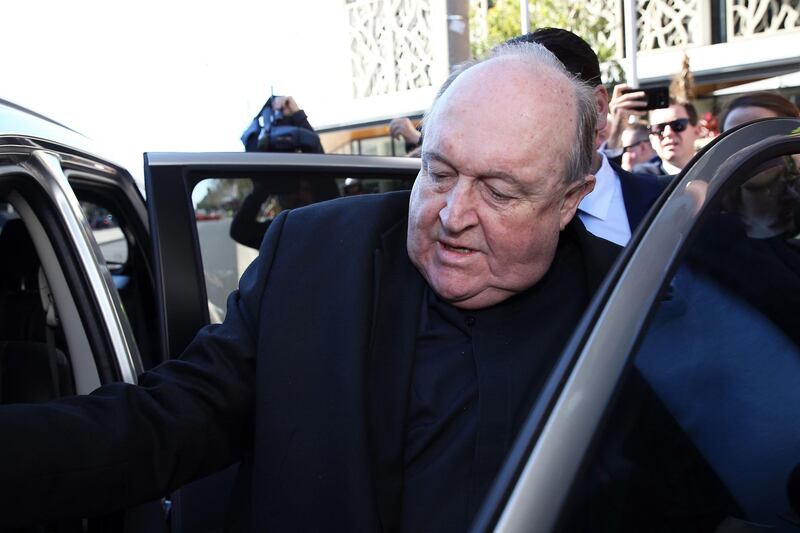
<point x="412" y="335"/>
<point x="673" y="132"/>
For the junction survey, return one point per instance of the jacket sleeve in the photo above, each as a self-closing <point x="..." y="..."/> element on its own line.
<point x="300" y="119"/>
<point x="125" y="444"/>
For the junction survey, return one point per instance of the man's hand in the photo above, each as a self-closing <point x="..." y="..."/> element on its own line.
<point x="285" y="104"/>
<point x="402" y="127"/>
<point x="623" y="105"/>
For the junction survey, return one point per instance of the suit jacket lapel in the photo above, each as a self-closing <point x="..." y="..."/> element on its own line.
<point x="398" y="296"/>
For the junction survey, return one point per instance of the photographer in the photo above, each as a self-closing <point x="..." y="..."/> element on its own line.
<point x="280" y="126"/>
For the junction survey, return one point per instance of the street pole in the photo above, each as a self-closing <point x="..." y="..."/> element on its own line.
<point x="524" y="17"/>
<point x="631" y="44"/>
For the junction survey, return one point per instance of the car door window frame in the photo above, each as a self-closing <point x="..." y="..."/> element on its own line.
<point x="101" y="314"/>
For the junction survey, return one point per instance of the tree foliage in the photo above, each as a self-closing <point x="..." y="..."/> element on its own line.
<point x="503" y="22"/>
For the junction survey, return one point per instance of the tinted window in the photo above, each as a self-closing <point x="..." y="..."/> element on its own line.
<point x="106" y="228"/>
<point x="705" y="434"/>
<point x="233" y="215"/>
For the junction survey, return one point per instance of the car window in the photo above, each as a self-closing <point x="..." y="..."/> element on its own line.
<point x="232" y="215"/>
<point x="112" y="218"/>
<point x="705" y="432"/>
<point x="108" y="233"/>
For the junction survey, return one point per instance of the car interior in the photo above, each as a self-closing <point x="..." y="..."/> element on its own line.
<point x="45" y="351"/>
<point x="124" y="246"/>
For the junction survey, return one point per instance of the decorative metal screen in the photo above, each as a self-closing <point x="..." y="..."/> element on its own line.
<point x="390" y="45"/>
<point x="668" y="23"/>
<point x="746" y="18"/>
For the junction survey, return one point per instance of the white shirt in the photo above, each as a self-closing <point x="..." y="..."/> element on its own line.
<point x="602" y="211"/>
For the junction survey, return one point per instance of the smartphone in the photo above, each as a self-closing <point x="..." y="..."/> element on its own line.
<point x="657" y="97"/>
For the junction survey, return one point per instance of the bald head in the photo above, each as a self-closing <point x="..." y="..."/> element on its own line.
<point x="520" y="72"/>
<point x="493" y="195"/>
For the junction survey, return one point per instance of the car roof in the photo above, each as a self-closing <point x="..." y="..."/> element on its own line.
<point x="18" y="121"/>
<point x="27" y="130"/>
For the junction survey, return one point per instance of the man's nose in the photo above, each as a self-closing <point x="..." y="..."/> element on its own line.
<point x="459" y="211"/>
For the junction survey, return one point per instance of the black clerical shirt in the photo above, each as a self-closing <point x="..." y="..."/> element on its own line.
<point x="475" y="376"/>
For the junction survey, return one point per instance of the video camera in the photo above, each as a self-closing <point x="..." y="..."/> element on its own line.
<point x="270" y="131"/>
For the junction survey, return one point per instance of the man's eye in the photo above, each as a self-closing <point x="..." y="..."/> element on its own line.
<point x="497" y="195"/>
<point x="439" y="177"/>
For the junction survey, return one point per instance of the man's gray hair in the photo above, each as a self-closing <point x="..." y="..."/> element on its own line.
<point x="579" y="160"/>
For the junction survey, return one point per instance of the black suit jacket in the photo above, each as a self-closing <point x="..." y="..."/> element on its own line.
<point x="639" y="193"/>
<point x="307" y="380"/>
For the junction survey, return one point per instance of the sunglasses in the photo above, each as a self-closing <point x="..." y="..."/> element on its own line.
<point x="626" y="149"/>
<point x="677" y="126"/>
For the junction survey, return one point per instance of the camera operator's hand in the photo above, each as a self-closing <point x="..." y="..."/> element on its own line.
<point x="286" y="105"/>
<point x="625" y="103"/>
<point x="403" y="127"/>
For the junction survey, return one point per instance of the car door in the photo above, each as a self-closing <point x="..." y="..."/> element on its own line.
<point x="675" y="406"/>
<point x="64" y="329"/>
<point x="208" y="213"/>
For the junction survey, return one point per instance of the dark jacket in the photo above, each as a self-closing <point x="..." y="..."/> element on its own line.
<point x="307" y="379"/>
<point x="639" y="192"/>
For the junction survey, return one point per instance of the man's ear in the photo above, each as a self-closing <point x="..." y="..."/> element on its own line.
<point x="573" y="196"/>
<point x="601" y="101"/>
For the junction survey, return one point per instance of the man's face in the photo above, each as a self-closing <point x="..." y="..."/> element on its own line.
<point x="489" y="202"/>
<point x="676" y="147"/>
<point x="636" y="148"/>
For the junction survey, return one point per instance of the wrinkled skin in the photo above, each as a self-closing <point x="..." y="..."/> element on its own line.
<point x="489" y="203"/>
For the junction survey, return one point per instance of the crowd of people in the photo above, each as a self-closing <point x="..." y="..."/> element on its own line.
<point x="663" y="141"/>
<point x="386" y="391"/>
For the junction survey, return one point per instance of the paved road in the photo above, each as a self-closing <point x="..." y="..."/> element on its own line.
<point x="112" y="245"/>
<point x="224" y="261"/>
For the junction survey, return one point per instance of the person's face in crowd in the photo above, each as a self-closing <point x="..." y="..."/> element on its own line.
<point x="489" y="202"/>
<point x="636" y="149"/>
<point x="766" y="203"/>
<point x="740" y="115"/>
<point x="671" y="145"/>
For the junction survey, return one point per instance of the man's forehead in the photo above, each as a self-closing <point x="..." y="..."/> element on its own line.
<point x="509" y="116"/>
<point x="657" y="116"/>
<point x="628" y="135"/>
<point x="523" y="94"/>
